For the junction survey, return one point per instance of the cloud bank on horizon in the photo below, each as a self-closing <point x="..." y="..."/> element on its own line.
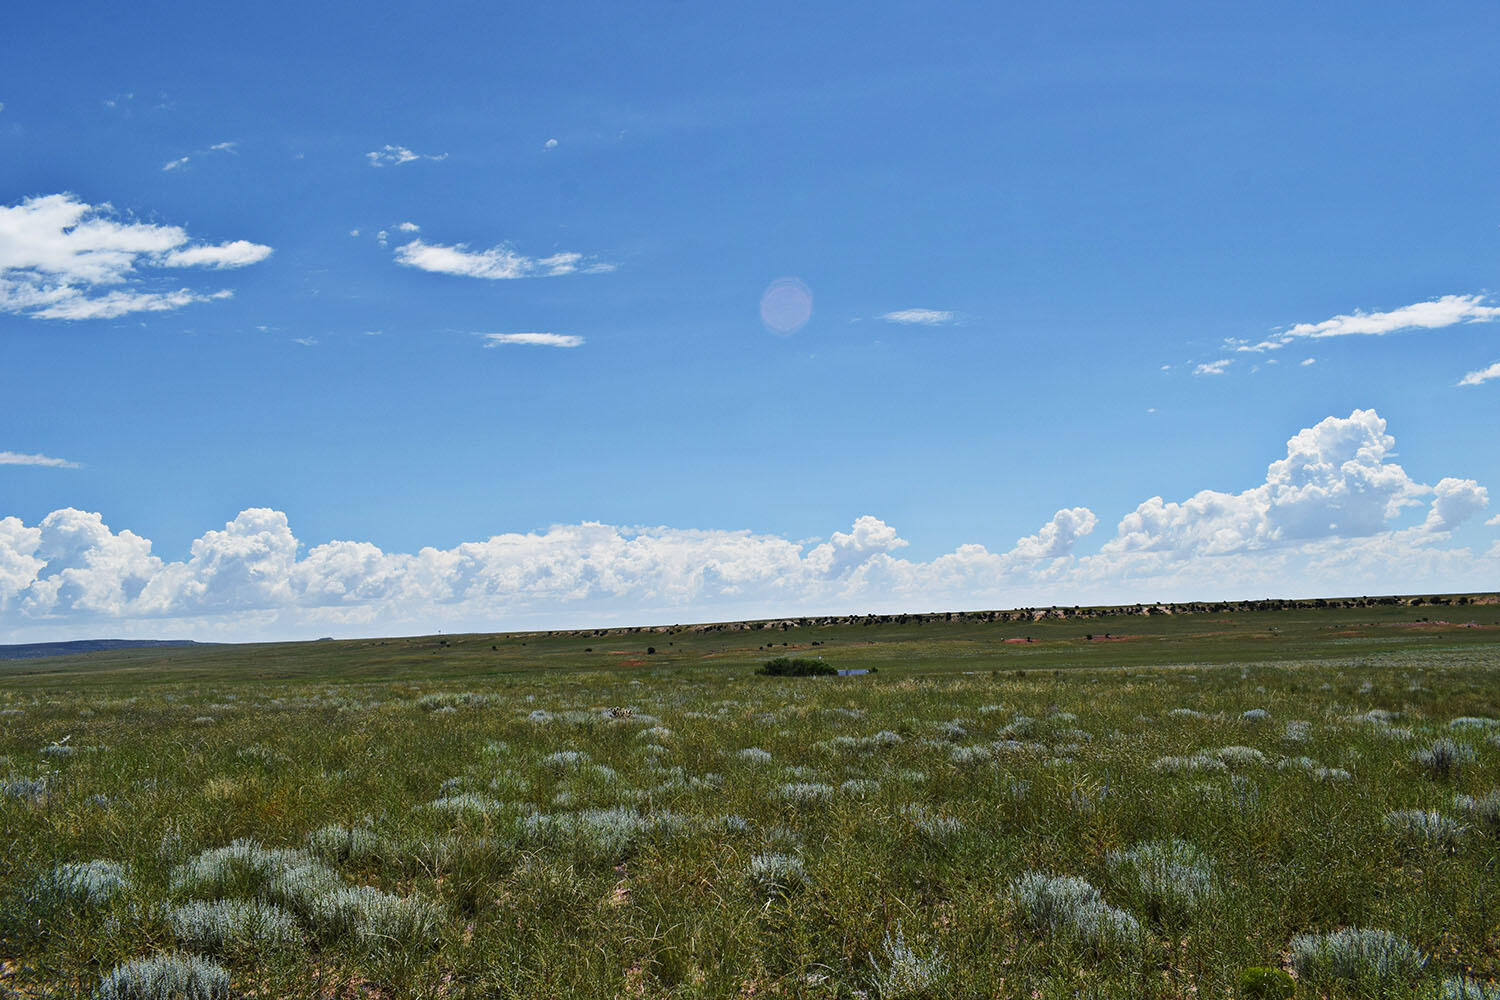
<point x="1327" y="518"/>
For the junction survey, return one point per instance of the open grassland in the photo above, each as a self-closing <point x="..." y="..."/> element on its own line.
<point x="1149" y="816"/>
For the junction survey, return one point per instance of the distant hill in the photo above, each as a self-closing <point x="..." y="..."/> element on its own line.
<point x="31" y="650"/>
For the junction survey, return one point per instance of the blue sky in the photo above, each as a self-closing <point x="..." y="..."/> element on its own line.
<point x="342" y="321"/>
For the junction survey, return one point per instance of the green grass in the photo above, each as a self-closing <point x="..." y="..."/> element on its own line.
<point x="436" y="817"/>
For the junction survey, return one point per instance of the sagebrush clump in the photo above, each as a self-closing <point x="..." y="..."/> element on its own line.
<point x="167" y="976"/>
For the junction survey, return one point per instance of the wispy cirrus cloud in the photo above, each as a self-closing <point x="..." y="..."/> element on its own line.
<point x="533" y="339"/>
<point x="498" y="263"/>
<point x="62" y="258"/>
<point x="1434" y="314"/>
<point x="182" y="161"/>
<point x="921" y="317"/>
<point x="395" y="156"/>
<point x="43" y="461"/>
<point x="1481" y="376"/>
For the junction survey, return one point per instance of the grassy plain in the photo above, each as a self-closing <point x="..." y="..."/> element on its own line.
<point x="540" y="815"/>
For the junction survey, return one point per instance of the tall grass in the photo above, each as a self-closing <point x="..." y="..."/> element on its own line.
<point x="715" y="834"/>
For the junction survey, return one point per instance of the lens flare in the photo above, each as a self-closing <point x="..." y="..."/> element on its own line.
<point x="786" y="306"/>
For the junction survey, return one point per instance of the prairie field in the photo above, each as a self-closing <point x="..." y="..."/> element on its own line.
<point x="1238" y="803"/>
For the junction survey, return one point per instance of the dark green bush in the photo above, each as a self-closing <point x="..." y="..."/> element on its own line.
<point x="785" y="667"/>
<point x="1260" y="983"/>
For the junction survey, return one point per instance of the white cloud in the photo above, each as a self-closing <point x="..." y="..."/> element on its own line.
<point x="181" y="161"/>
<point x="496" y="263"/>
<point x="305" y="341"/>
<point x="1335" y="481"/>
<point x="1454" y="502"/>
<point x="354" y="232"/>
<point x="844" y="551"/>
<point x="1324" y="521"/>
<point x="46" y="461"/>
<point x="1058" y="536"/>
<point x="1482" y="375"/>
<point x="396" y="155"/>
<point x="1213" y="367"/>
<point x="237" y="253"/>
<point x="224" y="147"/>
<point x="84" y="567"/>
<point x="115" y="304"/>
<point x="1433" y="314"/>
<point x="920" y="317"/>
<point x="534" y="339"/>
<point x="550" y="144"/>
<point x="408" y="227"/>
<point x="1493" y="522"/>
<point x="1305" y="362"/>
<point x="58" y="254"/>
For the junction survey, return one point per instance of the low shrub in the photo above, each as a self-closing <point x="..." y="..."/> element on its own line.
<point x="903" y="972"/>
<point x="84" y="883"/>
<point x="1071" y="907"/>
<point x="167" y="976"/>
<point x="786" y="667"/>
<point x="1356" y="956"/>
<point x="227" y="925"/>
<point x="1444" y="758"/>
<point x="778" y="874"/>
<point x="1172" y="876"/>
<point x="372" y="917"/>
<point x="1425" y="827"/>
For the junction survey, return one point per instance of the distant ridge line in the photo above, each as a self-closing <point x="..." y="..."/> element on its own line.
<point x="1053" y="612"/>
<point x="34" y="650"/>
<point x="1050" y="612"/>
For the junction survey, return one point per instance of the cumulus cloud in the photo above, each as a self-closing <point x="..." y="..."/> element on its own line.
<point x="1335" y="481"/>
<point x="497" y="263"/>
<point x="1482" y="375"/>
<point x="84" y="568"/>
<point x="1058" y="536"/>
<point x="533" y="339"/>
<point x="1213" y="367"/>
<point x="1454" y="502"/>
<point x="920" y="317"/>
<point x="1325" y="519"/>
<point x="61" y="258"/>
<point x="845" y="550"/>
<point x="45" y="461"/>
<point x="1449" y="310"/>
<point x="550" y="144"/>
<point x="394" y="156"/>
<point x="408" y="227"/>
